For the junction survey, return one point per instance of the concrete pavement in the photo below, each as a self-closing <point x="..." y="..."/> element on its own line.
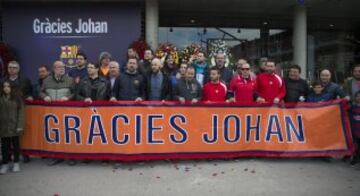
<point x="245" y="176"/>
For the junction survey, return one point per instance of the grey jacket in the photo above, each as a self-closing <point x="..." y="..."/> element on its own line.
<point x="188" y="89"/>
<point x="56" y="89"/>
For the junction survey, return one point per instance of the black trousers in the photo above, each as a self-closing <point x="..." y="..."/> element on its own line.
<point x="8" y="144"/>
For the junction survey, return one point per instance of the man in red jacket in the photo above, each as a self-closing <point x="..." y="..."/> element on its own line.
<point x="270" y="86"/>
<point x="215" y="90"/>
<point x="242" y="86"/>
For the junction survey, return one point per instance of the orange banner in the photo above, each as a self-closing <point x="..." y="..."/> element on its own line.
<point x="158" y="130"/>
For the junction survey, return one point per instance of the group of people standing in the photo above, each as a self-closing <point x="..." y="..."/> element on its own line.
<point x="156" y="79"/>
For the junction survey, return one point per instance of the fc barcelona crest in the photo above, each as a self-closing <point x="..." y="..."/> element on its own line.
<point x="68" y="54"/>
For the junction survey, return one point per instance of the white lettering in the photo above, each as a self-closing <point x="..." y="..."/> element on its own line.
<point x="88" y="26"/>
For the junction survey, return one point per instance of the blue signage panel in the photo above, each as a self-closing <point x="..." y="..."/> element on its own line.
<point x="43" y="33"/>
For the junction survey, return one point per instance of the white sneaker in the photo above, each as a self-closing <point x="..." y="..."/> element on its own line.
<point x="4" y="169"/>
<point x="16" y="167"/>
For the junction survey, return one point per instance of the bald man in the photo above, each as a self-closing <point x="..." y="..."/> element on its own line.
<point x="158" y="83"/>
<point x="226" y="74"/>
<point x="333" y="90"/>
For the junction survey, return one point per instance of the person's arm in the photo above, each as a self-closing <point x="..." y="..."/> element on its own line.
<point x="107" y="87"/>
<point x="147" y="87"/>
<point x="282" y="92"/>
<point x="167" y="88"/>
<point x="255" y="93"/>
<point x="307" y="88"/>
<point x="347" y="87"/>
<point x="115" y="90"/>
<point x="206" y="75"/>
<point x="231" y="90"/>
<point x="42" y="93"/>
<point x="143" y="87"/>
<point x="176" y="92"/>
<point x="258" y="90"/>
<point x="80" y="92"/>
<point x="200" y="92"/>
<point x="36" y="91"/>
<point x="204" y="93"/>
<point x="27" y="88"/>
<point x="229" y="77"/>
<point x="20" y="120"/>
<point x="340" y="92"/>
<point x="72" y="89"/>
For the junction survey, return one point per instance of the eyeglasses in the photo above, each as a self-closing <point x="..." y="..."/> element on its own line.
<point x="245" y="69"/>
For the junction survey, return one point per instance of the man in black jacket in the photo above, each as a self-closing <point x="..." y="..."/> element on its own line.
<point x="188" y="88"/>
<point x="158" y="83"/>
<point x="145" y="64"/>
<point x="131" y="85"/>
<point x="93" y="87"/>
<point x="296" y="88"/>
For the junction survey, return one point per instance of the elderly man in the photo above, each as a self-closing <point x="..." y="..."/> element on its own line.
<point x="58" y="87"/>
<point x="114" y="73"/>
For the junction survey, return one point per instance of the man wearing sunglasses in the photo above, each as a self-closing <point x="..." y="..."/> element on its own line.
<point x="242" y="86"/>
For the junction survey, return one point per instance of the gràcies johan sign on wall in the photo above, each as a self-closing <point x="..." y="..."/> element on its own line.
<point x="59" y="26"/>
<point x="41" y="33"/>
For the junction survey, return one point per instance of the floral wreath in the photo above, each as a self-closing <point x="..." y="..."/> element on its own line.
<point x="167" y="48"/>
<point x="219" y="46"/>
<point x="189" y="51"/>
<point x="140" y="46"/>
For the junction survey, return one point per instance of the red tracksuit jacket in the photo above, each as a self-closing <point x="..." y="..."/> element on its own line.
<point x="214" y="91"/>
<point x="270" y="86"/>
<point x="243" y="89"/>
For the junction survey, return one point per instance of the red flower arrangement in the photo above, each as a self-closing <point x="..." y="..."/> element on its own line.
<point x="189" y="51"/>
<point x="165" y="49"/>
<point x="140" y="46"/>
